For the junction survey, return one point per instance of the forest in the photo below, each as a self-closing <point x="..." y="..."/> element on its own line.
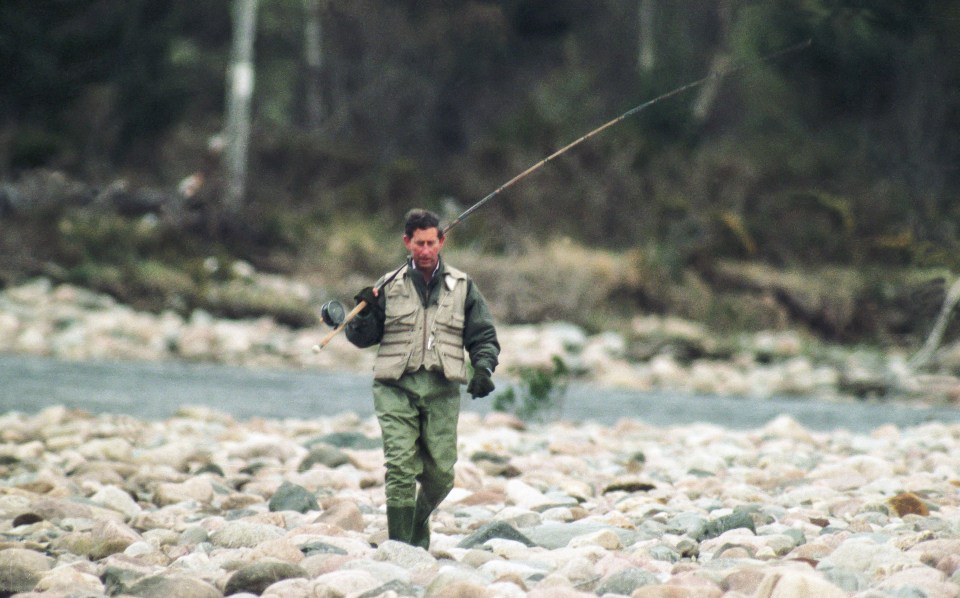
<point x="834" y="164"/>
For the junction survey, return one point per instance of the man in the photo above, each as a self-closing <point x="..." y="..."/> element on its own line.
<point x="423" y="320"/>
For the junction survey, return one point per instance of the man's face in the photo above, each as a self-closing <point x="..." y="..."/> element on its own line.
<point x="424" y="247"/>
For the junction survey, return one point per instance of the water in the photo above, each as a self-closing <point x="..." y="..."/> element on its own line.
<point x="157" y="390"/>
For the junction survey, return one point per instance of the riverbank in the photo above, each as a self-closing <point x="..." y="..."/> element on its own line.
<point x="202" y="504"/>
<point x="669" y="354"/>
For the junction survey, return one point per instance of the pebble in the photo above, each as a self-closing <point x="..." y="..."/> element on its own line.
<point x="706" y="512"/>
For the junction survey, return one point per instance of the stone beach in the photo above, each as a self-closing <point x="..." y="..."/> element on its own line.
<point x="202" y="504"/>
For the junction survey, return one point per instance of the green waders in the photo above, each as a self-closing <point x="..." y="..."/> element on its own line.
<point x="418" y="419"/>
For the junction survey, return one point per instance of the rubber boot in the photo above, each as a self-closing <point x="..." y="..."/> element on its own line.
<point x="400" y="523"/>
<point x="420" y="535"/>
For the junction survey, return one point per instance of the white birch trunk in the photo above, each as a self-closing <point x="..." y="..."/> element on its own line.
<point x="240" y="82"/>
<point x="647" y="46"/>
<point x="313" y="55"/>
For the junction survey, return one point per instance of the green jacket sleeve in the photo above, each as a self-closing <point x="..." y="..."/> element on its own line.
<point x="367" y="330"/>
<point x="479" y="333"/>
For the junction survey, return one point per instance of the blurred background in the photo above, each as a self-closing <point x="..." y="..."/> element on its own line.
<point x="818" y="190"/>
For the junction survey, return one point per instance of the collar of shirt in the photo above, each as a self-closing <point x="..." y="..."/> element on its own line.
<point x="424" y="288"/>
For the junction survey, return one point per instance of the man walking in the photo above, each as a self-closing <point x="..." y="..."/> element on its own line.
<point x="423" y="320"/>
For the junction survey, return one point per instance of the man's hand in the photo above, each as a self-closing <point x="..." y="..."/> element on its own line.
<point x="481" y="384"/>
<point x="369" y="296"/>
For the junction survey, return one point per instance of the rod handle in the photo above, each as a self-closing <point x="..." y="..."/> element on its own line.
<point x="346" y="320"/>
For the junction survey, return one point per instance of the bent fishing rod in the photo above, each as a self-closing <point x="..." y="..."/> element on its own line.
<point x="333" y="314"/>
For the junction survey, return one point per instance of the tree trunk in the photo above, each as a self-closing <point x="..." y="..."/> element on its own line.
<point x="313" y="56"/>
<point x="239" y="93"/>
<point x="703" y="105"/>
<point x="647" y="46"/>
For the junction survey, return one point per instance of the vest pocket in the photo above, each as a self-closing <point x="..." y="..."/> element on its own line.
<point x="450" y="346"/>
<point x="394" y="352"/>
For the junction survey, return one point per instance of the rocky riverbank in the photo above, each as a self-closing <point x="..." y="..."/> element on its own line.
<point x="203" y="505"/>
<point x="67" y="322"/>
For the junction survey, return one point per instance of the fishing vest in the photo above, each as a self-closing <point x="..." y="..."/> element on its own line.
<point x="415" y="337"/>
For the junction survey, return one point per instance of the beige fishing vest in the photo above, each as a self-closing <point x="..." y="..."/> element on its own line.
<point x="415" y="337"/>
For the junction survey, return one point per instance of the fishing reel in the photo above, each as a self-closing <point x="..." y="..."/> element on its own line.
<point x="332" y="313"/>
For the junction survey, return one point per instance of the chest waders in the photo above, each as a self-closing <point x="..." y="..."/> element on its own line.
<point x="418" y="412"/>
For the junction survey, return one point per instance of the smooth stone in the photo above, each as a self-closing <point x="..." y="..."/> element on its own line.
<point x="793" y="584"/>
<point x="237" y="534"/>
<point x="194" y="534"/>
<point x="923" y="581"/>
<point x="454" y="581"/>
<point x="735" y="520"/>
<point x="257" y="577"/>
<point x="70" y="580"/>
<point x="344" y="583"/>
<point x="325" y="455"/>
<point x="348" y="440"/>
<point x="865" y="555"/>
<point x="404" y="555"/>
<point x="21" y="569"/>
<point x="692" y="524"/>
<point x="292" y="497"/>
<point x="114" y="498"/>
<point x="395" y="587"/>
<point x="382" y="571"/>
<point x="662" y="552"/>
<point x="494" y="529"/>
<point x="625" y="582"/>
<point x="111" y="537"/>
<point x="558" y="535"/>
<point x="314" y="548"/>
<point x="344" y="514"/>
<point x="120" y="572"/>
<point x="166" y="586"/>
<point x="519" y="517"/>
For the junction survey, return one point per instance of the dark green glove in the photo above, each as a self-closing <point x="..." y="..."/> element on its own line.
<point x="481" y="384"/>
<point x="373" y="304"/>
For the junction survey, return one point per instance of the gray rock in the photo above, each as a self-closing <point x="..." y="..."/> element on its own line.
<point x="381" y="570"/>
<point x="111" y="537"/>
<point x="165" y="586"/>
<point x="352" y="440"/>
<point x="847" y="580"/>
<point x="321" y="548"/>
<point x="625" y="582"/>
<point x="691" y="524"/>
<point x="403" y="554"/>
<point x="258" y="577"/>
<point x="344" y="514"/>
<point x="494" y="529"/>
<point x="662" y="552"/>
<point x="395" y="587"/>
<point x="193" y="535"/>
<point x="558" y="535"/>
<point x="735" y="520"/>
<point x="291" y="497"/>
<point x="119" y="573"/>
<point x="240" y="534"/>
<point x="21" y="569"/>
<point x="323" y="454"/>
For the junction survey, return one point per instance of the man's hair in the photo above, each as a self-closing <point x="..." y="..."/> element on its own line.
<point x="418" y="218"/>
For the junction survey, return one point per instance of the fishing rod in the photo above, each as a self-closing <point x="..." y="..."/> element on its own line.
<point x="332" y="312"/>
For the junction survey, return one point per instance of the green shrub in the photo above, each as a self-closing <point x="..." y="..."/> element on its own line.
<point x="538" y="394"/>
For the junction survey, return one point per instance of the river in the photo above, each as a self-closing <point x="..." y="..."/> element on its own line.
<point x="151" y="390"/>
